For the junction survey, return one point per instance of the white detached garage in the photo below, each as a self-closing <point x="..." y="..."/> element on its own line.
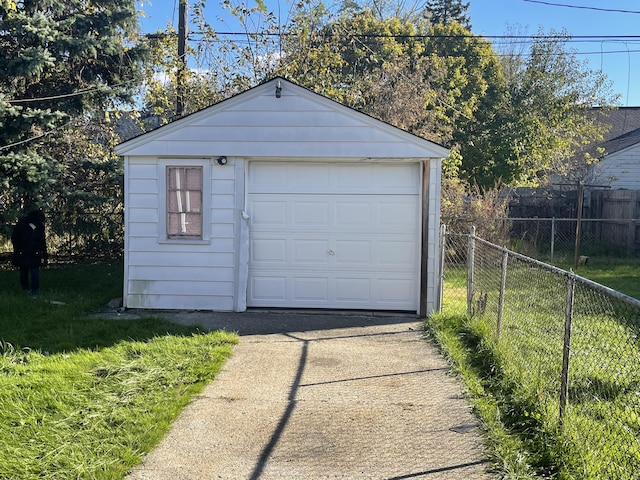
<point x="279" y="197"/>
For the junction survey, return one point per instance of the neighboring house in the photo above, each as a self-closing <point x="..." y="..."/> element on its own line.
<point x="619" y="166"/>
<point x="280" y="197"/>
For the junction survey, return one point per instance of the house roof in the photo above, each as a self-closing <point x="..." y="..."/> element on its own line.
<point x="624" y="131"/>
<point x="294" y="123"/>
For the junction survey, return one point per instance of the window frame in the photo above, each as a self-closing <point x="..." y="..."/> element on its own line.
<point x="163" y="214"/>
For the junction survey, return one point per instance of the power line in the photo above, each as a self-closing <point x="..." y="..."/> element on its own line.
<point x="569" y="38"/>
<point x="67" y="95"/>
<point x="30" y="139"/>
<point x="582" y="7"/>
<point x="494" y="39"/>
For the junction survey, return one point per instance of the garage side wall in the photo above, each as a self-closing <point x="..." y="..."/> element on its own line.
<point x="178" y="274"/>
<point x="430" y="265"/>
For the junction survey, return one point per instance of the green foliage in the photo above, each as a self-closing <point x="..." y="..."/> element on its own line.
<point x="464" y="206"/>
<point x="201" y="87"/>
<point x="475" y="88"/>
<point x="545" y="118"/>
<point x="217" y="66"/>
<point x="376" y="65"/>
<point x="313" y="51"/>
<point x="87" y="216"/>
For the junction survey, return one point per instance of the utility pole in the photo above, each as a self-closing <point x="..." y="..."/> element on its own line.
<point x="182" y="57"/>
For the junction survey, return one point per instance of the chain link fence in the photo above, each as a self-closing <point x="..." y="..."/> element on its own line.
<point x="83" y="237"/>
<point x="553" y="240"/>
<point x="568" y="346"/>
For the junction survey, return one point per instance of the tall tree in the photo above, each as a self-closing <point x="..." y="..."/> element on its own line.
<point x="58" y="59"/>
<point x="445" y="12"/>
<point x="545" y="119"/>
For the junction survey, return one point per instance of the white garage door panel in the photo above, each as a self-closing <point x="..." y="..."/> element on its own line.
<point x="364" y="253"/>
<point x="396" y="291"/>
<point x="310" y="212"/>
<point x="307" y="252"/>
<point x="393" y="214"/>
<point x="333" y="236"/>
<point x="366" y="178"/>
<point x="269" y="251"/>
<point x="312" y="289"/>
<point x="350" y="290"/>
<point x="269" y="212"/>
<point x="333" y="291"/>
<point x="350" y="252"/>
<point x="270" y="290"/>
<point x="398" y="213"/>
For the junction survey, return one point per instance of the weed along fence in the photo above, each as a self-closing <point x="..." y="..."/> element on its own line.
<point x="569" y="347"/>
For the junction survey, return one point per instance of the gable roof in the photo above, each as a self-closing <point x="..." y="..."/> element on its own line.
<point x="624" y="131"/>
<point x="295" y="123"/>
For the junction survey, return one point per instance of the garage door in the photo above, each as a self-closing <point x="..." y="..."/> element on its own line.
<point x="340" y="236"/>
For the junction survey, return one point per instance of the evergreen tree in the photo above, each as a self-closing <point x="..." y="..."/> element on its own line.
<point x="58" y="61"/>
<point x="444" y="12"/>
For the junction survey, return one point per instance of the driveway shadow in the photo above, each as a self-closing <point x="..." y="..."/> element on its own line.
<point x="269" y="321"/>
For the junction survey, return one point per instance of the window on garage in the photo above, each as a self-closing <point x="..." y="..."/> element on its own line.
<point x="184" y="202"/>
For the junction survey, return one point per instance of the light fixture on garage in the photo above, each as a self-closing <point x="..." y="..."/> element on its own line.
<point x="221" y="160"/>
<point x="278" y="89"/>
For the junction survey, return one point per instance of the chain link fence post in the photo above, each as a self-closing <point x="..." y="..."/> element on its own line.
<point x="553" y="237"/>
<point x="471" y="249"/>
<point x="566" y="348"/>
<point x="503" y="287"/>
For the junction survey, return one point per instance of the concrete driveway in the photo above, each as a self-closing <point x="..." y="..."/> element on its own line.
<point x="322" y="396"/>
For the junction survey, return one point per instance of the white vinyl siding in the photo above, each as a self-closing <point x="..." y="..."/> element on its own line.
<point x="182" y="272"/>
<point x="299" y="124"/>
<point x="620" y="169"/>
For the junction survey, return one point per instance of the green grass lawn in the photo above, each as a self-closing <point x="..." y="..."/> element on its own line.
<point x="83" y="397"/>
<point x="621" y="274"/>
<point x="623" y="277"/>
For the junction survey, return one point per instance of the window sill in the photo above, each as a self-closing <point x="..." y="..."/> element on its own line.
<point x="183" y="241"/>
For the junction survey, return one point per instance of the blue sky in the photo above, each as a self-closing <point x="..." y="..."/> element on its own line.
<point x="618" y="58"/>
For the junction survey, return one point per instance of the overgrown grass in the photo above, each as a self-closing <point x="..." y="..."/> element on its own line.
<point x="514" y="383"/>
<point x="84" y="397"/>
<point x="508" y="451"/>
